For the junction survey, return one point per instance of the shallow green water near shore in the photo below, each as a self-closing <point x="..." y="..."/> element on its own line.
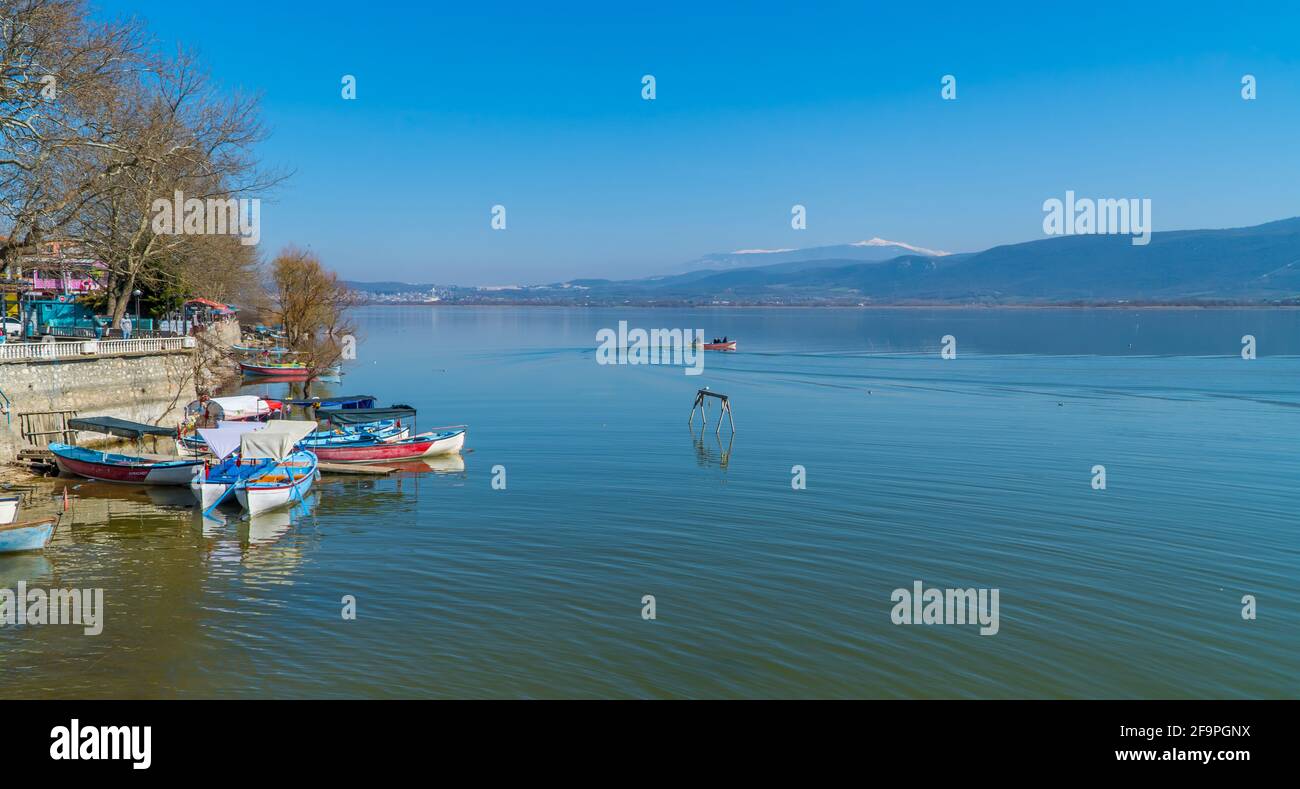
<point x="970" y="472"/>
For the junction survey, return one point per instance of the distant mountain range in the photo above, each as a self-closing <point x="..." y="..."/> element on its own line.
<point x="873" y="249"/>
<point x="1259" y="264"/>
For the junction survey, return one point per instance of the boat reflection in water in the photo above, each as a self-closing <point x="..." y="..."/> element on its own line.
<point x="434" y="464"/>
<point x="28" y="567"/>
<point x="258" y="540"/>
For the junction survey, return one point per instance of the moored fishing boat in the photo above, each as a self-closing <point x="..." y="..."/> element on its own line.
<point x="289" y="371"/>
<point x="336" y="401"/>
<point x="386" y="431"/>
<point x="423" y="445"/>
<point x="114" y="467"/>
<point x="440" y="441"/>
<point x="30" y="535"/>
<point x="8" y="509"/>
<point x="210" y="411"/>
<point x="251" y="456"/>
<point x="283" y="484"/>
<point x="213" y="481"/>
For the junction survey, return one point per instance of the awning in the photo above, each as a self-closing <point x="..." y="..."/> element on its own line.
<point x="221" y="441"/>
<point x="216" y="305"/>
<point x="276" y="441"/>
<point x="359" y="416"/>
<point x="341" y="401"/>
<point x="111" y="425"/>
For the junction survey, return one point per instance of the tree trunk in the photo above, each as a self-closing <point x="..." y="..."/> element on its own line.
<point x="122" y="302"/>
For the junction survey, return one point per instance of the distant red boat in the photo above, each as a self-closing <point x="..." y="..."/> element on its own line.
<point x="287" y="372"/>
<point x="720" y="345"/>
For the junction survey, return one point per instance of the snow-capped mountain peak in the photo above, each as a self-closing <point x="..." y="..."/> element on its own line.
<point x="877" y="241"/>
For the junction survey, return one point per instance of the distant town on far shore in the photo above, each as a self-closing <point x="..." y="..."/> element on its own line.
<point x="1234" y="267"/>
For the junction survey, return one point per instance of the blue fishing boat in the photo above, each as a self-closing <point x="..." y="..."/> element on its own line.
<point x="212" y="483"/>
<point x="283" y="485"/>
<point x="30" y="535"/>
<point x="263" y="469"/>
<point x="113" y="467"/>
<point x="368" y="433"/>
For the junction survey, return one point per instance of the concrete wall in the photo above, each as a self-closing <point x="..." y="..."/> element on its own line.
<point x="144" y="387"/>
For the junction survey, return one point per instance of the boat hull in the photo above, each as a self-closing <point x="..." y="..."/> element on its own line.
<point x="283" y="372"/>
<point x="261" y="494"/>
<point x="720" y="346"/>
<point x="135" y="471"/>
<point x="8" y="509"/>
<point x="208" y="493"/>
<point x="327" y="439"/>
<point x="27" y="535"/>
<point x="381" y="452"/>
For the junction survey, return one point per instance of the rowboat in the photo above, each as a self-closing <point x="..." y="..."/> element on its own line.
<point x="212" y="482"/>
<point x="285" y="370"/>
<point x="423" y="445"/>
<point x="262" y="468"/>
<point x="283" y="484"/>
<point x="113" y="467"/>
<point x="336" y="401"/>
<point x="30" y="535"/>
<point x="235" y="408"/>
<point x="8" y="509"/>
<point x="386" y="431"/>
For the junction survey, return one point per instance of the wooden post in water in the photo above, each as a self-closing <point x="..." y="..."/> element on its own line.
<point x="726" y="409"/>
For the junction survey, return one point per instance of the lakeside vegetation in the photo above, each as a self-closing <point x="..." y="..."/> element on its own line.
<point x="101" y="129"/>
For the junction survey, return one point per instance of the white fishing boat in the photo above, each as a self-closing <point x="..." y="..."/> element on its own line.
<point x="290" y="473"/>
<point x="283" y="485"/>
<point x="215" y="479"/>
<point x="8" y="509"/>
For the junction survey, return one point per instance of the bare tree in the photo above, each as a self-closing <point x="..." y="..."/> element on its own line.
<point x="59" y="75"/>
<point x="313" y="308"/>
<point x="185" y="138"/>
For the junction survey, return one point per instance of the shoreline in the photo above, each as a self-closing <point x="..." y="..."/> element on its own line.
<point x="1252" y="306"/>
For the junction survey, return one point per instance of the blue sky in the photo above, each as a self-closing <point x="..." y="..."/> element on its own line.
<point x="759" y="107"/>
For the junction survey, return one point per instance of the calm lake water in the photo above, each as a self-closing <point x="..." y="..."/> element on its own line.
<point x="969" y="472"/>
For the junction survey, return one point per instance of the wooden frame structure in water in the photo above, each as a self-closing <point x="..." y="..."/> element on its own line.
<point x="700" y="402"/>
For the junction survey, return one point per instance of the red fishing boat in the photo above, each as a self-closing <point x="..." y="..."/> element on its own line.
<point x="289" y="371"/>
<point x="112" y="467"/>
<point x="423" y="445"/>
<point x="723" y="344"/>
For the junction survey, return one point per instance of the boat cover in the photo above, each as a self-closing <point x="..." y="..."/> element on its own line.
<point x="111" y="425"/>
<point x="358" y="416"/>
<point x="237" y="407"/>
<point x="222" y="441"/>
<point x="276" y="441"/>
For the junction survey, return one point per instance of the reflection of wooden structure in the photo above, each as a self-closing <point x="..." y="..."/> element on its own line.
<point x="702" y="452"/>
<point x="700" y="402"/>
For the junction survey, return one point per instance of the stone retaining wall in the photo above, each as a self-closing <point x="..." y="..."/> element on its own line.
<point x="143" y="387"/>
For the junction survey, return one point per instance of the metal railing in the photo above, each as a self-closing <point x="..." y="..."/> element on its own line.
<point x="68" y="350"/>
